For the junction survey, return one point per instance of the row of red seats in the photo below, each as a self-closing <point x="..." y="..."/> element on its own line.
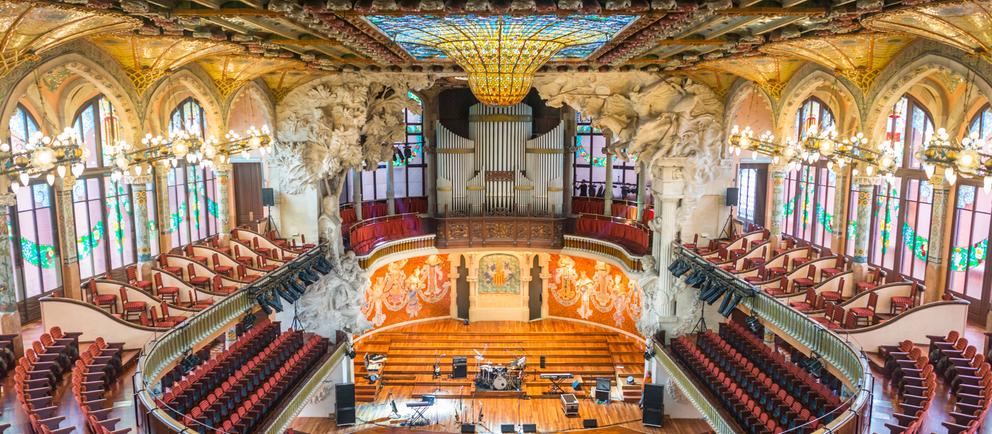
<point x="406" y="205"/>
<point x="774" y="398"/>
<point x="97" y="369"/>
<point x="189" y="390"/>
<point x="137" y="311"/>
<point x="746" y="409"/>
<point x="913" y="377"/>
<point x="968" y="375"/>
<point x="37" y="376"/>
<point x="636" y="239"/>
<point x="7" y="357"/>
<point x="814" y="395"/>
<point x="594" y="205"/>
<point x="364" y="236"/>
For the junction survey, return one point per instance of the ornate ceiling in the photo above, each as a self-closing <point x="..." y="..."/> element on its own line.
<point x="288" y="42"/>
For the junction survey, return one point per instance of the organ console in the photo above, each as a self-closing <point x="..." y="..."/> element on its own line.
<point x="500" y="169"/>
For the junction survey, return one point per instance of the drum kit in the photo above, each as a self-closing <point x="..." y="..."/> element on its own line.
<point x="501" y="377"/>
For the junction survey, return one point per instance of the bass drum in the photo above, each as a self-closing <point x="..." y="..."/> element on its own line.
<point x="501" y="383"/>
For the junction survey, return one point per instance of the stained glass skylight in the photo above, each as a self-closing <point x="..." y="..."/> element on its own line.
<point x="420" y="35"/>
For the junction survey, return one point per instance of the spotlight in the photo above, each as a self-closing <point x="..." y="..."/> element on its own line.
<point x="715" y="294"/>
<point x="725" y="302"/>
<point x="726" y="311"/>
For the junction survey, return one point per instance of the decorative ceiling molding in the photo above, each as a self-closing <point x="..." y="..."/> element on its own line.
<point x="966" y="25"/>
<point x="771" y="73"/>
<point x="231" y="72"/>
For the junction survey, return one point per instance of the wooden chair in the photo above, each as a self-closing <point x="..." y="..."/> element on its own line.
<point x="872" y="280"/>
<point x="198" y="304"/>
<point x="167" y="317"/>
<point x="901" y="304"/>
<point x="839" y="267"/>
<point x="832" y="296"/>
<point x="808" y="304"/>
<point x="219" y="287"/>
<point x="167" y="293"/>
<point x="222" y="269"/>
<point x="163" y="263"/>
<point x="101" y="300"/>
<point x="866" y="313"/>
<point x="245" y="260"/>
<point x="801" y="283"/>
<point x="197" y="281"/>
<point x="133" y="280"/>
<point x="130" y="307"/>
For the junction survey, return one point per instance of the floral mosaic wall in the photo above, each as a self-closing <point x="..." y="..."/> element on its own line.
<point x="595" y="291"/>
<point x="409" y="289"/>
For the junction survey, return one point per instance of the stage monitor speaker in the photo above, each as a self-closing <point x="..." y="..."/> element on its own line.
<point x="590" y="423"/>
<point x="530" y="427"/>
<point x="544" y="362"/>
<point x="653" y="403"/>
<point x="459" y="367"/>
<point x="268" y="197"/>
<point x="507" y="428"/>
<point x="731" y="199"/>
<point x="344" y="404"/>
<point x="603" y="383"/>
<point x="468" y="428"/>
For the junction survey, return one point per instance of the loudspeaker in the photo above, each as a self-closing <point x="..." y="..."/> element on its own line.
<point x="544" y="363"/>
<point x="507" y="428"/>
<point x="530" y="427"/>
<point x="268" y="197"/>
<point x="731" y="199"/>
<point x="459" y="367"/>
<point x="344" y="404"/>
<point x="468" y="428"/>
<point x="590" y="423"/>
<point x="653" y="405"/>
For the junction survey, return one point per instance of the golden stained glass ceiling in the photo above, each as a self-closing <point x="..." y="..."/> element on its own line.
<point x="27" y="29"/>
<point x="281" y="82"/>
<point x="231" y="72"/>
<point x="145" y="59"/>
<point x="771" y="73"/>
<point x="965" y="25"/>
<point x="859" y="57"/>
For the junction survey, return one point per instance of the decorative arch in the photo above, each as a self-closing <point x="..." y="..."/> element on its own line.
<point x="902" y="76"/>
<point x="85" y="72"/>
<point x="169" y="92"/>
<point x="746" y="95"/>
<point x="827" y="88"/>
<point x="253" y="97"/>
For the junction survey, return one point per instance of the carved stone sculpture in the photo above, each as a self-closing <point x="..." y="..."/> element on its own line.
<point x="335" y="301"/>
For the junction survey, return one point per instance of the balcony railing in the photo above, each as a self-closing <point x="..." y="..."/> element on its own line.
<point x="605" y="248"/>
<point x="163" y="353"/>
<point x="847" y="362"/>
<point x="300" y="397"/>
<point x="710" y="412"/>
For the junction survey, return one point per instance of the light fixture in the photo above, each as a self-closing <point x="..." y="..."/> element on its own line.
<point x="968" y="158"/>
<point x="42" y="156"/>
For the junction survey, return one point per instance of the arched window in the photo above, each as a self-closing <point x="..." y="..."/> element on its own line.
<point x="590" y="165"/>
<point x="103" y="208"/>
<point x="908" y="125"/>
<point x="32" y="226"/>
<point x="813" y="112"/>
<point x="810" y="190"/>
<point x="193" y="209"/>
<point x="968" y="265"/>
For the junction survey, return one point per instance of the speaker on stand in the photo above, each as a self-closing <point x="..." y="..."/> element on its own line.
<point x="344" y="404"/>
<point x="653" y="405"/>
<point x="268" y="201"/>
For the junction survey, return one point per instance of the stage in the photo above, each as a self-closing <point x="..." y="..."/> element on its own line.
<point x="585" y="351"/>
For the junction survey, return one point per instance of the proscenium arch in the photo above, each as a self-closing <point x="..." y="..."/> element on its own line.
<point x="900" y="79"/>
<point x="171" y="91"/>
<point x="87" y="72"/>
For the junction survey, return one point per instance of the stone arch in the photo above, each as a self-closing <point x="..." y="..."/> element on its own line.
<point x="85" y="73"/>
<point x="253" y="97"/>
<point x="746" y="95"/>
<point x="827" y="88"/>
<point x="921" y="72"/>
<point x="190" y="81"/>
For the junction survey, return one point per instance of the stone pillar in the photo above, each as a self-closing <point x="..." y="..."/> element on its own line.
<point x="777" y="175"/>
<point x="141" y="186"/>
<point x="223" y="172"/>
<point x="10" y="318"/>
<point x="935" y="277"/>
<point x="390" y="189"/>
<point x="669" y="187"/>
<point x="162" y="207"/>
<point x="568" y="172"/>
<point x="608" y="194"/>
<point x="66" y="224"/>
<point x="866" y="188"/>
<point x="642" y="176"/>
<point x="838" y="225"/>
<point x="356" y="193"/>
<point x="428" y="123"/>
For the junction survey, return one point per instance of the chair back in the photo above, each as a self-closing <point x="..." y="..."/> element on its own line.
<point x="810" y="296"/>
<point x="216" y="259"/>
<point x="132" y="273"/>
<point x="158" y="280"/>
<point x="216" y="284"/>
<point x="164" y="307"/>
<point x="190" y="270"/>
<point x="872" y="300"/>
<point x="123" y="292"/>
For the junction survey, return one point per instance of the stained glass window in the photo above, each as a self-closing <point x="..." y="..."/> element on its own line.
<point x="813" y="112"/>
<point x="882" y="243"/>
<point x="193" y="208"/>
<point x="590" y="165"/>
<point x="810" y="190"/>
<point x="747" y="186"/>
<point x="908" y="125"/>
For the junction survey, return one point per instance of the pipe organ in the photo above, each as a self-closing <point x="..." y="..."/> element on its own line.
<point x="500" y="169"/>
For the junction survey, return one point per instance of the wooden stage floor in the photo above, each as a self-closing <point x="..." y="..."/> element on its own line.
<point x="586" y="351"/>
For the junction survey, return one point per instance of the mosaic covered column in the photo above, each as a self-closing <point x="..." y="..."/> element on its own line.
<point x="390" y="188"/>
<point x="934" y="280"/>
<point x="140" y="186"/>
<point x="866" y="188"/>
<point x="66" y="223"/>
<point x="777" y="173"/>
<point x="10" y="318"/>
<point x="839" y="239"/>
<point x="162" y="207"/>
<point x="608" y="194"/>
<point x="223" y="172"/>
<point x="669" y="186"/>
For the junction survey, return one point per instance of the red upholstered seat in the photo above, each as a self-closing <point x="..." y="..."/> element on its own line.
<point x="833" y="296"/>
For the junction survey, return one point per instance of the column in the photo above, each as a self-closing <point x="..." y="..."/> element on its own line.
<point x="141" y="186"/>
<point x="777" y="175"/>
<point x="642" y="176"/>
<point x="428" y="118"/>
<point x="223" y="172"/>
<point x="568" y="172"/>
<point x="162" y="207"/>
<point x="608" y="194"/>
<point x="866" y="188"/>
<point x="356" y="193"/>
<point x="66" y="222"/>
<point x="10" y="318"/>
<point x="668" y="188"/>
<point x="839" y="240"/>
<point x="934" y="280"/>
<point x="390" y="189"/>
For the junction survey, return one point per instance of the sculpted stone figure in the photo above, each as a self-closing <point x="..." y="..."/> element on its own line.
<point x="335" y="301"/>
